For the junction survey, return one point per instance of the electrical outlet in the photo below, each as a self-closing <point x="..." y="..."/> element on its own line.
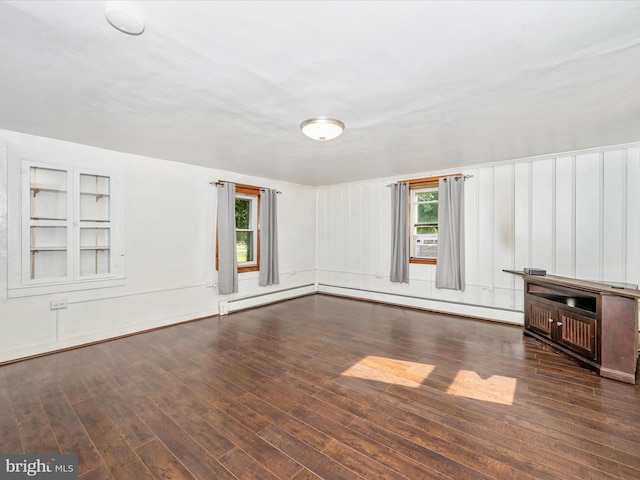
<point x="57" y="304"/>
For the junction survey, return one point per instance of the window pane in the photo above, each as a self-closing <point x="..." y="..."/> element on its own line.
<point x="425" y="230"/>
<point x="427" y="213"/>
<point x="244" y="247"/>
<point x="243" y="213"/>
<point x="427" y="196"/>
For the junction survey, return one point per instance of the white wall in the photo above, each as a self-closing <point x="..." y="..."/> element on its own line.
<point x="575" y="215"/>
<point x="170" y="242"/>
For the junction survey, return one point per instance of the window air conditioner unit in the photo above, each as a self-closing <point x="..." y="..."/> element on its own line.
<point x="424" y="246"/>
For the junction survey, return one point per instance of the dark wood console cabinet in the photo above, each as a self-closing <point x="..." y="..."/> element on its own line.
<point x="595" y="323"/>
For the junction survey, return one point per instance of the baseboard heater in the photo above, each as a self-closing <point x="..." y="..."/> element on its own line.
<point x="227" y="306"/>
<point x="469" y="310"/>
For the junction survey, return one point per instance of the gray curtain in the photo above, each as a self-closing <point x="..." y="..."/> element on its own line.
<point x="450" y="258"/>
<point x="269" y="270"/>
<point x="227" y="260"/>
<point x="400" y="233"/>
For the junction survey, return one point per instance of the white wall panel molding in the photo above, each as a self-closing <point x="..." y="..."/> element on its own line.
<point x="632" y="215"/>
<point x="574" y="214"/>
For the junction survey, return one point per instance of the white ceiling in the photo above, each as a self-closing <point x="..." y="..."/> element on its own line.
<point x="421" y="86"/>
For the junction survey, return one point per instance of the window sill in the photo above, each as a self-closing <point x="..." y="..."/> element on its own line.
<point x="249" y="268"/>
<point x="423" y="261"/>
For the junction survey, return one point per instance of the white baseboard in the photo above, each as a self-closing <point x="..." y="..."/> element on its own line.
<point x="67" y="343"/>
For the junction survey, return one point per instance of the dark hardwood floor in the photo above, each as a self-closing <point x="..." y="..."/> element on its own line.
<point x="323" y="387"/>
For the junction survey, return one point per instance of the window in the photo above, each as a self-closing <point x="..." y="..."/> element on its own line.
<point x="424" y="219"/>
<point x="247" y="231"/>
<point x="424" y="223"/>
<point x="64" y="232"/>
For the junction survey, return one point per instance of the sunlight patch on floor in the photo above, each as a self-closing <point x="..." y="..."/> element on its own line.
<point x="461" y="383"/>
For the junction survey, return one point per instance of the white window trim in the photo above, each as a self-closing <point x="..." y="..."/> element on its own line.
<point x="19" y="283"/>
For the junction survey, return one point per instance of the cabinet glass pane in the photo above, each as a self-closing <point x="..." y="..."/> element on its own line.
<point x="95" y="202"/>
<point x="48" y="178"/>
<point x="48" y="195"/>
<point x="94" y="208"/>
<point x="48" y="264"/>
<point x="96" y="184"/>
<point x="48" y="237"/>
<point x="95" y="237"/>
<point x="94" y="262"/>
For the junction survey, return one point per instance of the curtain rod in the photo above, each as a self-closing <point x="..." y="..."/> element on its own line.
<point x="457" y="176"/>
<point x="222" y="183"/>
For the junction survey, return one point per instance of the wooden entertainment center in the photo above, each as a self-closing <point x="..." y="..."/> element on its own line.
<point x="595" y="323"/>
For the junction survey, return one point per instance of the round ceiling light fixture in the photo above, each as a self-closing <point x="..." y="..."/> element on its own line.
<point x="322" y="128"/>
<point x="123" y="18"/>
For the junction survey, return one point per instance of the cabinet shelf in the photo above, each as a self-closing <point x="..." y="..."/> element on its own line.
<point x="49" y="218"/>
<point x="36" y="190"/>
<point x="94" y="194"/>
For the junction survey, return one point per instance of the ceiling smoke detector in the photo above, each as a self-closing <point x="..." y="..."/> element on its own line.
<point x="123" y="18"/>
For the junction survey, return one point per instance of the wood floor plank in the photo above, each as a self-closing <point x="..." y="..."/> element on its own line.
<point x="323" y="387"/>
<point x="274" y="460"/>
<point x="161" y="462"/>
<point x="383" y="453"/>
<point x="118" y="456"/>
<point x="286" y="422"/>
<point x="69" y="431"/>
<point x="100" y="473"/>
<point x="200" y="463"/>
<point x="304" y="454"/>
<point x="358" y="462"/>
<point x="35" y="431"/>
<point x="10" y="439"/>
<point x="131" y="427"/>
<point x="244" y="467"/>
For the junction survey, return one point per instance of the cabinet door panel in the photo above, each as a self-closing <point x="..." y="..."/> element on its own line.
<point x="578" y="333"/>
<point x="540" y="318"/>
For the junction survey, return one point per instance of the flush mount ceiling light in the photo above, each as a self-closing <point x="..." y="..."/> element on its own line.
<point x="322" y="128"/>
<point x="123" y="18"/>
